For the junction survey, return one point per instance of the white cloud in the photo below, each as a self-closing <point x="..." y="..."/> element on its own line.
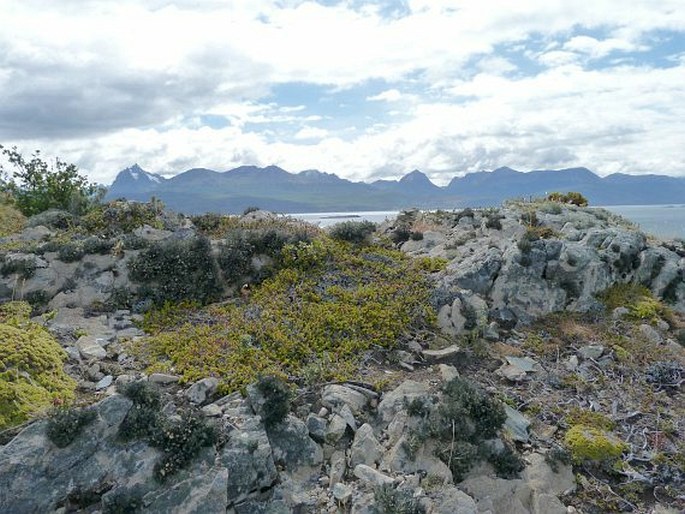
<point x="102" y="82"/>
<point x="389" y="95"/>
<point x="311" y="133"/>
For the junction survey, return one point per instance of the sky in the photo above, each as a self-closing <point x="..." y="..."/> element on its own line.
<point x="364" y="89"/>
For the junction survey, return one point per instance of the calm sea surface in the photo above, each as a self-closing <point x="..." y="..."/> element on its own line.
<point x="664" y="221"/>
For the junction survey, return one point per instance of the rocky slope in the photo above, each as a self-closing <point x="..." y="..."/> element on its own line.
<point x="519" y="315"/>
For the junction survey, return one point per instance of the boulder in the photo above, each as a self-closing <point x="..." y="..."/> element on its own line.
<point x="365" y="448"/>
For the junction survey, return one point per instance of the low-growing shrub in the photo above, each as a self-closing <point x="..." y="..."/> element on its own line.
<point x="494" y="221"/>
<point x="639" y="301"/>
<point x="572" y="197"/>
<point x="144" y="418"/>
<point x="356" y="232"/>
<point x="65" y="423"/>
<point x="665" y="375"/>
<point x="11" y="219"/>
<point x="416" y="236"/>
<point x="97" y="245"/>
<point x="70" y="252"/>
<point x="276" y="399"/>
<point x="400" y="234"/>
<point x="180" y="443"/>
<point x="124" y="500"/>
<point x="507" y="463"/>
<point x="121" y="217"/>
<point x="25" y="268"/>
<point x="175" y="270"/>
<point x="327" y="297"/>
<point x="391" y="500"/>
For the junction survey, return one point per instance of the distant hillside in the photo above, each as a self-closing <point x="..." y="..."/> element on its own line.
<point x="202" y="190"/>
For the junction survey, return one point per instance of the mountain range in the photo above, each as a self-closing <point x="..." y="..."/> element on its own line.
<point x="201" y="190"/>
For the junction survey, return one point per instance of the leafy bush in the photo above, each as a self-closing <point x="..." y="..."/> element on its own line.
<point x="277" y="399"/>
<point x="124" y="501"/>
<point x="416" y="236"/>
<point x="180" y="443"/>
<point x="176" y="270"/>
<point x="32" y="371"/>
<point x="97" y="245"/>
<point x="37" y="186"/>
<point x="250" y="209"/>
<point x="65" y="423"/>
<point x="356" y="232"/>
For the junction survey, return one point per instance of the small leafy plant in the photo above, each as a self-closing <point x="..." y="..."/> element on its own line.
<point x="65" y="423"/>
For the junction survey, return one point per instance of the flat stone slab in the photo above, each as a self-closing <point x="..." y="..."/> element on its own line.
<point x="90" y="348"/>
<point x="440" y="355"/>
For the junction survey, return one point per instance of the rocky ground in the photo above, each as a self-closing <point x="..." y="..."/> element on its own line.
<point x="591" y="396"/>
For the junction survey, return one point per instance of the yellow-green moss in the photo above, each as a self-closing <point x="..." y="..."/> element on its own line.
<point x="31" y="366"/>
<point x="639" y="301"/>
<point x="328" y="304"/>
<point x="592" y="444"/>
<point x="11" y="220"/>
<point x="589" y="418"/>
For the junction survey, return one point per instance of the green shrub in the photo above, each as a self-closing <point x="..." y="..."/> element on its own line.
<point x="121" y="217"/>
<point x="65" y="423"/>
<point x="235" y="256"/>
<point x="356" y="232"/>
<point x="180" y="443"/>
<point x="464" y="418"/>
<point x="391" y="500"/>
<point x="277" y="399"/>
<point x="25" y="268"/>
<point x="401" y="234"/>
<point x="494" y="221"/>
<point x="250" y="209"/>
<point x="416" y="236"/>
<point x="144" y="418"/>
<point x="70" y="252"/>
<point x="327" y="297"/>
<point x="175" y="270"/>
<point x="97" y="245"/>
<point x="507" y="463"/>
<point x="123" y="500"/>
<point x="639" y="301"/>
<point x="37" y="186"/>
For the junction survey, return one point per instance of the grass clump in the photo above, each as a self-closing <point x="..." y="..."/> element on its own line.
<point x="11" y="219"/>
<point x="31" y="366"/>
<point x="65" y="423"/>
<point x="328" y="298"/>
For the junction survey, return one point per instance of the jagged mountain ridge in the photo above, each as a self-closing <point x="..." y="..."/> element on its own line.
<point x="202" y="190"/>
